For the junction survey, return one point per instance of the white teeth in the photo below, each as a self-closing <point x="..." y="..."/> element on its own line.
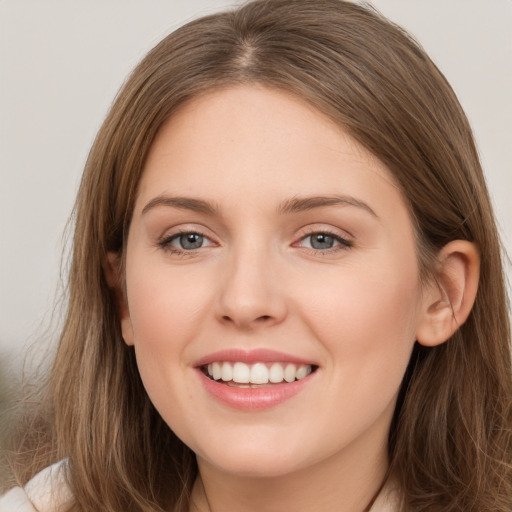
<point x="276" y="373"/>
<point x="258" y="373"/>
<point x="303" y="371"/>
<point x="226" y="372"/>
<point x="289" y="372"/>
<point x="241" y="373"/>
<point x="216" y="371"/>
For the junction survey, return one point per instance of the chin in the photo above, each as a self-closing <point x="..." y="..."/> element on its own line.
<point x="257" y="460"/>
<point x="252" y="467"/>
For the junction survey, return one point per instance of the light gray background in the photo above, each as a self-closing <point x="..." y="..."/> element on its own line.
<point x="62" y="61"/>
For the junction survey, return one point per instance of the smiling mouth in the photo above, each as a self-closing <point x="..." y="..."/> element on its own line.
<point x="240" y="374"/>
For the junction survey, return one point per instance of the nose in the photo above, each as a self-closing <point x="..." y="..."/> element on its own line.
<point x="251" y="294"/>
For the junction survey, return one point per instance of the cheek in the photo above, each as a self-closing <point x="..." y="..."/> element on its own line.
<point x="165" y="315"/>
<point x="164" y="306"/>
<point x="366" y="319"/>
<point x="368" y="333"/>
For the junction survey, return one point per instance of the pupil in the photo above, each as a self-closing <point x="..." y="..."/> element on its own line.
<point x="322" y="241"/>
<point x="191" y="241"/>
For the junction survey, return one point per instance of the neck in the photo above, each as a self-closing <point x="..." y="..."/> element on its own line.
<point x="349" y="482"/>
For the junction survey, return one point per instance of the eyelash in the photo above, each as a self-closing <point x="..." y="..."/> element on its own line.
<point x="344" y="243"/>
<point x="165" y="243"/>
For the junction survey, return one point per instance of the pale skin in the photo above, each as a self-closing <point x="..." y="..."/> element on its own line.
<point x="303" y="244"/>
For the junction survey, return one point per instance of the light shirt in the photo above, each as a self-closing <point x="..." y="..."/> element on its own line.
<point x="48" y="491"/>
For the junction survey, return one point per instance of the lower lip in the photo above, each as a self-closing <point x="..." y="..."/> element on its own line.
<point x="253" y="399"/>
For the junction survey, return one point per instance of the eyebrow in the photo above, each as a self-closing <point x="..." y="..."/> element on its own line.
<point x="183" y="203"/>
<point x="293" y="205"/>
<point x="300" y="204"/>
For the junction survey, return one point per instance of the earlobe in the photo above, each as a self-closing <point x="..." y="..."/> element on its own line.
<point x="112" y="270"/>
<point x="449" y="299"/>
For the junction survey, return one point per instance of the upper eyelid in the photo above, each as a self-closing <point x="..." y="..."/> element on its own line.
<point x="303" y="232"/>
<point x="343" y="241"/>
<point x="331" y="230"/>
<point x="179" y="229"/>
<point x="171" y="237"/>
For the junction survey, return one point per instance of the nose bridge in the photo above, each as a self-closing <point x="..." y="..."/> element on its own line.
<point x="250" y="293"/>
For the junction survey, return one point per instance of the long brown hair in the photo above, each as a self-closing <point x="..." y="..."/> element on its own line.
<point x="450" y="446"/>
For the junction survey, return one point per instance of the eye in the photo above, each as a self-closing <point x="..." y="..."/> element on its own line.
<point x="321" y="241"/>
<point x="185" y="241"/>
<point x="324" y="241"/>
<point x="189" y="241"/>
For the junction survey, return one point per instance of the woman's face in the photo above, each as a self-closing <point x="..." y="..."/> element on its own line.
<point x="273" y="292"/>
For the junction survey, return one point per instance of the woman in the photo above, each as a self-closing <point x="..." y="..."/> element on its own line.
<point x="284" y="265"/>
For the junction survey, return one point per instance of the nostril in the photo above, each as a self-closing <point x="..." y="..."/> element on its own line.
<point x="246" y="323"/>
<point x="262" y="318"/>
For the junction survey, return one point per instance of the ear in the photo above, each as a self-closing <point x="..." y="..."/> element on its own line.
<point x="450" y="297"/>
<point x="112" y="269"/>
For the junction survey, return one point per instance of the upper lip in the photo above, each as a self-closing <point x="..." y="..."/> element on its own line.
<point x="250" y="357"/>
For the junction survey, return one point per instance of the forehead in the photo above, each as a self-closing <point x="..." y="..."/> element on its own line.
<point x="248" y="138"/>
<point x="254" y="124"/>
